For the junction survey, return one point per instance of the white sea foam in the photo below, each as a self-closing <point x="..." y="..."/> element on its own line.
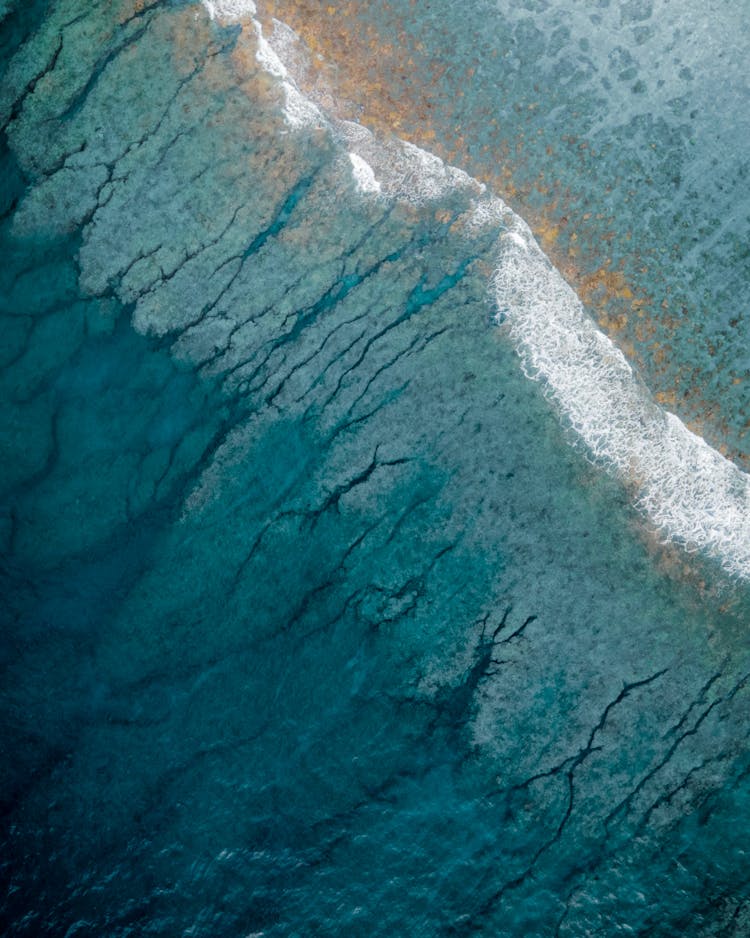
<point x="267" y="57"/>
<point x="398" y="168"/>
<point x="363" y="174"/>
<point x="690" y="492"/>
<point x="299" y="111"/>
<point x="405" y="172"/>
<point x="230" y="11"/>
<point x="487" y="213"/>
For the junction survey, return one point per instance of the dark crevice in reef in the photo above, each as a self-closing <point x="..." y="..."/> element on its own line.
<point x="12" y="180"/>
<point x="48" y="67"/>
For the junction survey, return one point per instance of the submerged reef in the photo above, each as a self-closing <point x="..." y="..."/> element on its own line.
<point x="314" y="622"/>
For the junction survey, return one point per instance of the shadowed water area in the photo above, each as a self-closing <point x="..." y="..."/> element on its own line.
<point x="314" y="622"/>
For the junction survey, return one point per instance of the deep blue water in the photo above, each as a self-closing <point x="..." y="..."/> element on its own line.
<point x="314" y="622"/>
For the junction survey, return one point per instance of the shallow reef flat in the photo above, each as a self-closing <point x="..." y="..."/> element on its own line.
<point x="314" y="621"/>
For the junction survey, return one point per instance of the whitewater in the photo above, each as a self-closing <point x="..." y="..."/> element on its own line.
<point x="686" y="490"/>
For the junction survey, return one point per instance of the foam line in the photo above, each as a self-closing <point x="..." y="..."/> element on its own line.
<point x="404" y="171"/>
<point x="686" y="489"/>
<point x="299" y="111"/>
<point x="230" y="11"/>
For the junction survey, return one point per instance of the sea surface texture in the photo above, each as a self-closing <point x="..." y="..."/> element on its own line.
<point x="353" y="582"/>
<point x="617" y="128"/>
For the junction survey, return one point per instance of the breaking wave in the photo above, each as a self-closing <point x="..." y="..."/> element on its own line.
<point x="688" y="490"/>
<point x="691" y="493"/>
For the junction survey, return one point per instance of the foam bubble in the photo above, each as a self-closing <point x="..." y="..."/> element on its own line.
<point x="401" y="170"/>
<point x="267" y="57"/>
<point x="299" y="111"/>
<point x="363" y="174"/>
<point x="405" y="172"/>
<point x="488" y="213"/>
<point x="230" y="11"/>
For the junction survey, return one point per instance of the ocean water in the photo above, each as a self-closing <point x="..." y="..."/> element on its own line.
<point x="353" y="582"/>
<point x="617" y="129"/>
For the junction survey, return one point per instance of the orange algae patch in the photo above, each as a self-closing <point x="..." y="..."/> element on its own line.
<point x="130" y="9"/>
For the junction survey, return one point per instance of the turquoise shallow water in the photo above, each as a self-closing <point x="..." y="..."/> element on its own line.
<point x="314" y="623"/>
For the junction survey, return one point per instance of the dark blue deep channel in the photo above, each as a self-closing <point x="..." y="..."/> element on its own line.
<point x="313" y="621"/>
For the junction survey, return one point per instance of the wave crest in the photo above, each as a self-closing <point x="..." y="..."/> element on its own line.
<point x="688" y="491"/>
